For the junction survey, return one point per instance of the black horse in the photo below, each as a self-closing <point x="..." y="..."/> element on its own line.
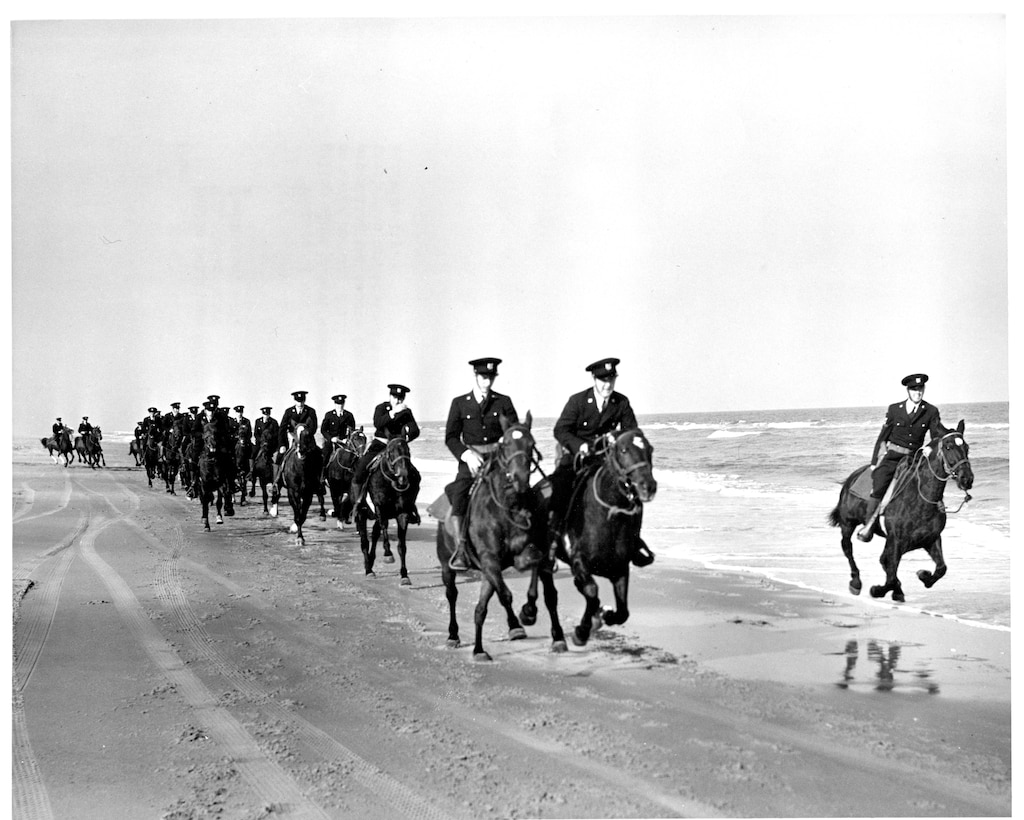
<point x="211" y="475"/>
<point x="387" y="484"/>
<point x="500" y="523"/>
<point x="263" y="465"/>
<point x="85" y="449"/>
<point x="97" y="437"/>
<point x="61" y="445"/>
<point x="340" y="468"/>
<point x="152" y="455"/>
<point x="243" y="465"/>
<point x="601" y="525"/>
<point x="300" y="474"/>
<point x="172" y="461"/>
<point x="914" y="517"/>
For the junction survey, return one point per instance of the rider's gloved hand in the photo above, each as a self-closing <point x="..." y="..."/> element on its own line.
<point x="281" y="450"/>
<point x="471" y="458"/>
<point x="584" y="449"/>
<point x="335" y="440"/>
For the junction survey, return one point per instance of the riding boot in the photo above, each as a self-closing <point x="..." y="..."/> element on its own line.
<point x="642" y="555"/>
<point x="358" y="494"/>
<point x="458" y="561"/>
<point x="867" y="531"/>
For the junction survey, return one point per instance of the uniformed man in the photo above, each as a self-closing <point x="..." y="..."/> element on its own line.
<point x="153" y="424"/>
<point x="472" y="431"/>
<point x="85" y="429"/>
<point x="299" y="413"/>
<point x="139" y="429"/>
<point x="175" y="418"/>
<point x="391" y="419"/>
<point x="903" y="432"/>
<point x="213" y="413"/>
<point x="336" y="427"/>
<point x="242" y="425"/>
<point x="586" y="417"/>
<point x="58" y="427"/>
<point x="266" y="422"/>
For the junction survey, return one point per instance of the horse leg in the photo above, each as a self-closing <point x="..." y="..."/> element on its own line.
<point x="621" y="614"/>
<point x="551" y="602"/>
<point x="205" y="498"/>
<point x="382" y="523"/>
<point x="890" y="561"/>
<point x="402" y="525"/>
<point x="320" y="498"/>
<point x="587" y="586"/>
<point x="451" y="592"/>
<point x="220" y="504"/>
<point x="479" y="616"/>
<point x="847" y="545"/>
<point x="528" y="611"/>
<point x="934" y="550"/>
<point x="364" y="543"/>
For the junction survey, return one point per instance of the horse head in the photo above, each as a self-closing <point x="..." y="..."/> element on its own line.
<point x="97" y="434"/>
<point x="210" y="437"/>
<point x="395" y="462"/>
<point x="952" y="451"/>
<point x="304" y="440"/>
<point x="515" y="452"/>
<point x="356" y="441"/>
<point x="629" y="455"/>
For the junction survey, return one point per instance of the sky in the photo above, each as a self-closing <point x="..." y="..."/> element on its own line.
<point x="751" y="211"/>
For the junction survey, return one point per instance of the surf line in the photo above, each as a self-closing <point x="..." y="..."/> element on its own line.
<point x="268" y="780"/>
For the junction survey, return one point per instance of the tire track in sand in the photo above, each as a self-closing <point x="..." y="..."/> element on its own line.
<point x="398" y="799"/>
<point x="267" y="779"/>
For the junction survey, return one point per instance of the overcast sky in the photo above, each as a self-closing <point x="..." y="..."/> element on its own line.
<point x="752" y="212"/>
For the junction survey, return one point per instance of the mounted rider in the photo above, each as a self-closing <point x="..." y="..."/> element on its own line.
<point x="152" y="425"/>
<point x="241" y="425"/>
<point x="903" y="433"/>
<point x="214" y="414"/>
<point x="474" y="430"/>
<point x="85" y="429"/>
<point x="586" y="417"/>
<point x="58" y="428"/>
<point x="266" y="422"/>
<point x="337" y="426"/>
<point x="299" y="413"/>
<point x="391" y="419"/>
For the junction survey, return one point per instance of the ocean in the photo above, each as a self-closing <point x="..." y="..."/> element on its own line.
<point x="751" y="492"/>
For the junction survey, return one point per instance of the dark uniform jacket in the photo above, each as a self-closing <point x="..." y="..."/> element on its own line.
<point x="180" y="421"/>
<point x="388" y="427"/>
<point x="906" y="430"/>
<point x="222" y="435"/>
<point x="292" y="417"/>
<point x="337" y="425"/>
<point x="58" y="428"/>
<point x="471" y="424"/>
<point x="269" y="424"/>
<point x="243" y="429"/>
<point x="580" y="422"/>
<point x="154" y="426"/>
<point x="84" y="428"/>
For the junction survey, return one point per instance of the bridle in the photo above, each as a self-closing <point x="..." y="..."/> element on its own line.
<point x="621" y="476"/>
<point x="505" y="461"/>
<point x="390" y="461"/>
<point x="950" y="471"/>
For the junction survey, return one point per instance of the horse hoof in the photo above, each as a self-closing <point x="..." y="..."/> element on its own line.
<point x="323" y="517"/>
<point x="371" y="574"/>
<point x="341" y="525"/>
<point x="273" y="510"/>
<point x="406" y="582"/>
<point x="516" y="634"/>
<point x="899" y="598"/>
<point x="578" y="638"/>
<point x="854" y="588"/>
<point x="388" y="559"/>
<point x="559" y="646"/>
<point x="877" y="592"/>
<point x="528" y="618"/>
<point x="206" y="526"/>
<point x="482" y="656"/>
<point x="229" y="513"/>
<point x="293" y="528"/>
<point x="252" y="494"/>
<point x="453" y="643"/>
<point x="300" y="541"/>
<point x="220" y="520"/>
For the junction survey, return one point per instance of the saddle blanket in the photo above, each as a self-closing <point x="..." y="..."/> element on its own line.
<point x="439" y="508"/>
<point x="862" y="486"/>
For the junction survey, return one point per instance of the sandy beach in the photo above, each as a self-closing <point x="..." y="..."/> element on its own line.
<point x="164" y="672"/>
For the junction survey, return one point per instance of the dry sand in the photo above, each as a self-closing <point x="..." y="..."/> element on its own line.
<point x="164" y="672"/>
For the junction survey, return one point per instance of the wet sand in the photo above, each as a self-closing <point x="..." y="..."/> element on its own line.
<point x="161" y="671"/>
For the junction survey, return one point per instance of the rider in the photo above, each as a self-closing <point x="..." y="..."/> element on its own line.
<point x="265" y="422"/>
<point x="903" y="432"/>
<point x="175" y="418"/>
<point x="85" y="429"/>
<point x="473" y="430"/>
<point x="152" y="424"/>
<point x="300" y="413"/>
<point x="586" y="417"/>
<point x="58" y="427"/>
<point x="213" y="413"/>
<point x="337" y="426"/>
<point x="391" y="419"/>
<point x="242" y="426"/>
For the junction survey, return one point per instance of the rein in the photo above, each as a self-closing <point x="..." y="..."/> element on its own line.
<point x="620" y="476"/>
<point x="950" y="473"/>
<point x="496" y="471"/>
<point x="388" y="461"/>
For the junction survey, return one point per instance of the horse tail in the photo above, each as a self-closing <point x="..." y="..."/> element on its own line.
<point x="833" y="517"/>
<point x="43" y="441"/>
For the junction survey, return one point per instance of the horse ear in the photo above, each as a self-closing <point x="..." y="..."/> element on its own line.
<point x="529" y="419"/>
<point x="960" y="427"/>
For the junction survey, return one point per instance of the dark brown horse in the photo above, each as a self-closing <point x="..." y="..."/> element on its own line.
<point x="97" y="437"/>
<point x="387" y="483"/>
<point x="211" y="475"/>
<point x="137" y="450"/>
<point x="300" y="474"/>
<point x="601" y="524"/>
<point x="263" y="465"/>
<point x="340" y="468"/>
<point x="61" y="445"/>
<point x="916" y="514"/>
<point x="500" y="523"/>
<point x="85" y="449"/>
<point x="172" y="460"/>
<point x="152" y="454"/>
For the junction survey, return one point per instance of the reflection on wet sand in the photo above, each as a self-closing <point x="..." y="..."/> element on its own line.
<point x="887" y="676"/>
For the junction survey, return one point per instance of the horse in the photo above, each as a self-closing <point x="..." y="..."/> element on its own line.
<point x="300" y="474"/>
<point x="172" y="462"/>
<point x="97" y="437"/>
<point x="61" y="445"/>
<point x="243" y="457"/>
<point x="386" y="484"/>
<point x="340" y="468"/>
<point x="189" y="468"/>
<point x="601" y="526"/>
<point x="85" y="450"/>
<point x="501" y="521"/>
<point x="211" y="478"/>
<point x="914" y="517"/>
<point x="138" y="451"/>
<point x="153" y="455"/>
<point x="263" y="465"/>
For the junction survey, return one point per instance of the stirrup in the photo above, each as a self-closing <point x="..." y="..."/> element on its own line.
<point x="457" y="562"/>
